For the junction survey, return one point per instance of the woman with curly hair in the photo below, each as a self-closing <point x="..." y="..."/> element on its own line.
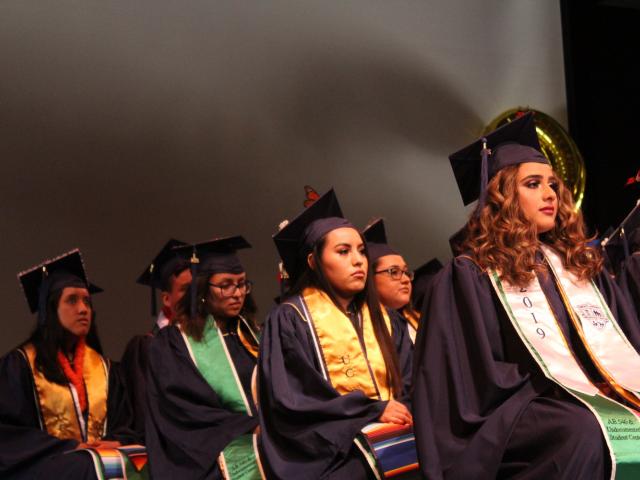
<point x="524" y="368"/>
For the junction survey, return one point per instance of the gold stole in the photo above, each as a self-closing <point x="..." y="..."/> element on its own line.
<point x="413" y="319"/>
<point x="348" y="366"/>
<point x="58" y="408"/>
<point x="411" y="316"/>
<point x="248" y="339"/>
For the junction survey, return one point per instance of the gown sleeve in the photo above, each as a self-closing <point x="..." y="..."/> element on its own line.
<point x="23" y="445"/>
<point x="466" y="395"/>
<point x="404" y="349"/>
<point x="120" y="418"/>
<point x="186" y="425"/>
<point x="134" y="365"/>
<point x="307" y="427"/>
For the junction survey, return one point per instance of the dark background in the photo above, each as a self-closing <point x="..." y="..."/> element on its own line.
<point x="125" y="123"/>
<point x="602" y="55"/>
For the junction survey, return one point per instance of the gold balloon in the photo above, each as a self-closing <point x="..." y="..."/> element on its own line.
<point x="556" y="145"/>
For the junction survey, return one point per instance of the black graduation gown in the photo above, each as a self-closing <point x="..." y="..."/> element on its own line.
<point x="186" y="425"/>
<point x="629" y="279"/>
<point x="307" y="427"/>
<point x="404" y="349"/>
<point x="482" y="406"/>
<point x="26" y="451"/>
<point x="134" y="365"/>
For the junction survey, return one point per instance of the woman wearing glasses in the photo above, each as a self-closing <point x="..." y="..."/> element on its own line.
<point x="331" y="361"/>
<point x="202" y="417"/>
<point x="392" y="276"/>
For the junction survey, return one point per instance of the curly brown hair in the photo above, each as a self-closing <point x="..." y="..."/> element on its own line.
<point x="501" y="238"/>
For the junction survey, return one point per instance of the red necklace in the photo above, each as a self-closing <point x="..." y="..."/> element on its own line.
<point x="74" y="375"/>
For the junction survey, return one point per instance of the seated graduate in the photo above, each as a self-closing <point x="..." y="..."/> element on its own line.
<point x="391" y="275"/>
<point x="623" y="248"/>
<point x="523" y="371"/>
<point x="331" y="359"/>
<point x="58" y="393"/>
<point x="201" y="415"/>
<point x="169" y="272"/>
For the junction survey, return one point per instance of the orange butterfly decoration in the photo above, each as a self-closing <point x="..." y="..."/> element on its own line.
<point x="310" y="196"/>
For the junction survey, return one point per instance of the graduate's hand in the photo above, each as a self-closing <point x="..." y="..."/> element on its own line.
<point x="396" y="412"/>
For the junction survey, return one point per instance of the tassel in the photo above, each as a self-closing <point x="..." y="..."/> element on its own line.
<point x="193" y="286"/>
<point x="484" y="176"/>
<point x="625" y="244"/>
<point x="43" y="294"/>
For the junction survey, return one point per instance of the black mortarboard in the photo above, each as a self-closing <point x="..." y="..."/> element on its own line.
<point x="297" y="239"/>
<point x="511" y="144"/>
<point x="38" y="282"/>
<point x="166" y="263"/>
<point x="376" y="238"/>
<point x="213" y="256"/>
<point x="217" y="255"/>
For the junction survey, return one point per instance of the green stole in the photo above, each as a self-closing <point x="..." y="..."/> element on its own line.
<point x="537" y="327"/>
<point x="239" y="459"/>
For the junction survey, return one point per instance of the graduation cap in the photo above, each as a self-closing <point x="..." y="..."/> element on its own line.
<point x="213" y="256"/>
<point x="376" y="238"/>
<point x="38" y="282"/>
<point x="423" y="276"/>
<point x="297" y="239"/>
<point x="511" y="144"/>
<point x="166" y="263"/>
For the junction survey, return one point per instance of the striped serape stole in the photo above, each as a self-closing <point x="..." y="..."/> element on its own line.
<point x="123" y="463"/>
<point x="394" y="448"/>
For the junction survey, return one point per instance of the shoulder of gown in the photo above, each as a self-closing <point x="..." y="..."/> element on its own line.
<point x="621" y="305"/>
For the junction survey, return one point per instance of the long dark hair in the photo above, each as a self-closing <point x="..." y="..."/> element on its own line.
<point x="316" y="278"/>
<point x="194" y="326"/>
<point x="50" y="337"/>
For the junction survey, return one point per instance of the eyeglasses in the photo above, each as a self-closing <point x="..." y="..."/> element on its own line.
<point x="396" y="273"/>
<point x="229" y="289"/>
